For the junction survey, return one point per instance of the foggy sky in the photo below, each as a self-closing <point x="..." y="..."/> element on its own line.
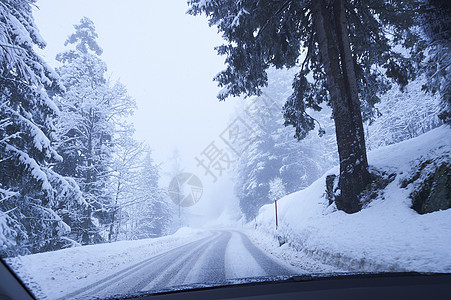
<point x="167" y="61"/>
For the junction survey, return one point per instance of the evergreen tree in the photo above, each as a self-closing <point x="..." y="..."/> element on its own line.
<point x="402" y="116"/>
<point x="126" y="167"/>
<point x="349" y="48"/>
<point x="256" y="166"/>
<point x="91" y="109"/>
<point x="436" y="23"/>
<point x="276" y="189"/>
<point x="151" y="216"/>
<point x="30" y="189"/>
<point x="274" y="153"/>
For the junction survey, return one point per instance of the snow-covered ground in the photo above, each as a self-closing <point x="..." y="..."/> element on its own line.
<point x="387" y="235"/>
<point x="189" y="258"/>
<point x="54" y="274"/>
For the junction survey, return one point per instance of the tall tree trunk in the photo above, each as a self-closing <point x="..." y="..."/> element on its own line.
<point x="336" y="57"/>
<point x="86" y="230"/>
<point x="112" y="232"/>
<point x="87" y="224"/>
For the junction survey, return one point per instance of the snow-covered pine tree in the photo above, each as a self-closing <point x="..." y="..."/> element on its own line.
<point x="151" y="215"/>
<point x="346" y="46"/>
<point x="256" y="166"/>
<point x="90" y="110"/>
<point x="126" y="167"/>
<point x="402" y="115"/>
<point x="274" y="153"/>
<point x="30" y="189"/>
<point x="276" y="189"/>
<point x="436" y="23"/>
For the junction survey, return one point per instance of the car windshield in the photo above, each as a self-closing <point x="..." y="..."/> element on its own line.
<point x="151" y="145"/>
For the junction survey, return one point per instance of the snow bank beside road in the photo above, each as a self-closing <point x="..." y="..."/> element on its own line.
<point x="387" y="235"/>
<point x="57" y="273"/>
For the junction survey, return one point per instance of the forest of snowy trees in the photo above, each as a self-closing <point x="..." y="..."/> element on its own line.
<point x="274" y="155"/>
<point x="70" y="171"/>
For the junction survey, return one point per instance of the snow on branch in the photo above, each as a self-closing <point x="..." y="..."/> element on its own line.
<point x="29" y="162"/>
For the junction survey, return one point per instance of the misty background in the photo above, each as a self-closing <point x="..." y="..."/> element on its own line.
<point x="166" y="60"/>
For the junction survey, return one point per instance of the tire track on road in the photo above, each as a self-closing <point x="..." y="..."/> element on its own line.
<point x="199" y="262"/>
<point x="170" y="266"/>
<point x="119" y="276"/>
<point x="267" y="263"/>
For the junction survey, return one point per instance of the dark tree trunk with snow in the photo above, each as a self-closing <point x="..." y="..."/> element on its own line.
<point x="334" y="47"/>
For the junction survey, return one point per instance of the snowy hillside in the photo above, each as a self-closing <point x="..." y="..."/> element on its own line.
<point x="387" y="235"/>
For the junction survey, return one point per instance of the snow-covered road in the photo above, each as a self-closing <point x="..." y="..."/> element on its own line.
<point x="220" y="256"/>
